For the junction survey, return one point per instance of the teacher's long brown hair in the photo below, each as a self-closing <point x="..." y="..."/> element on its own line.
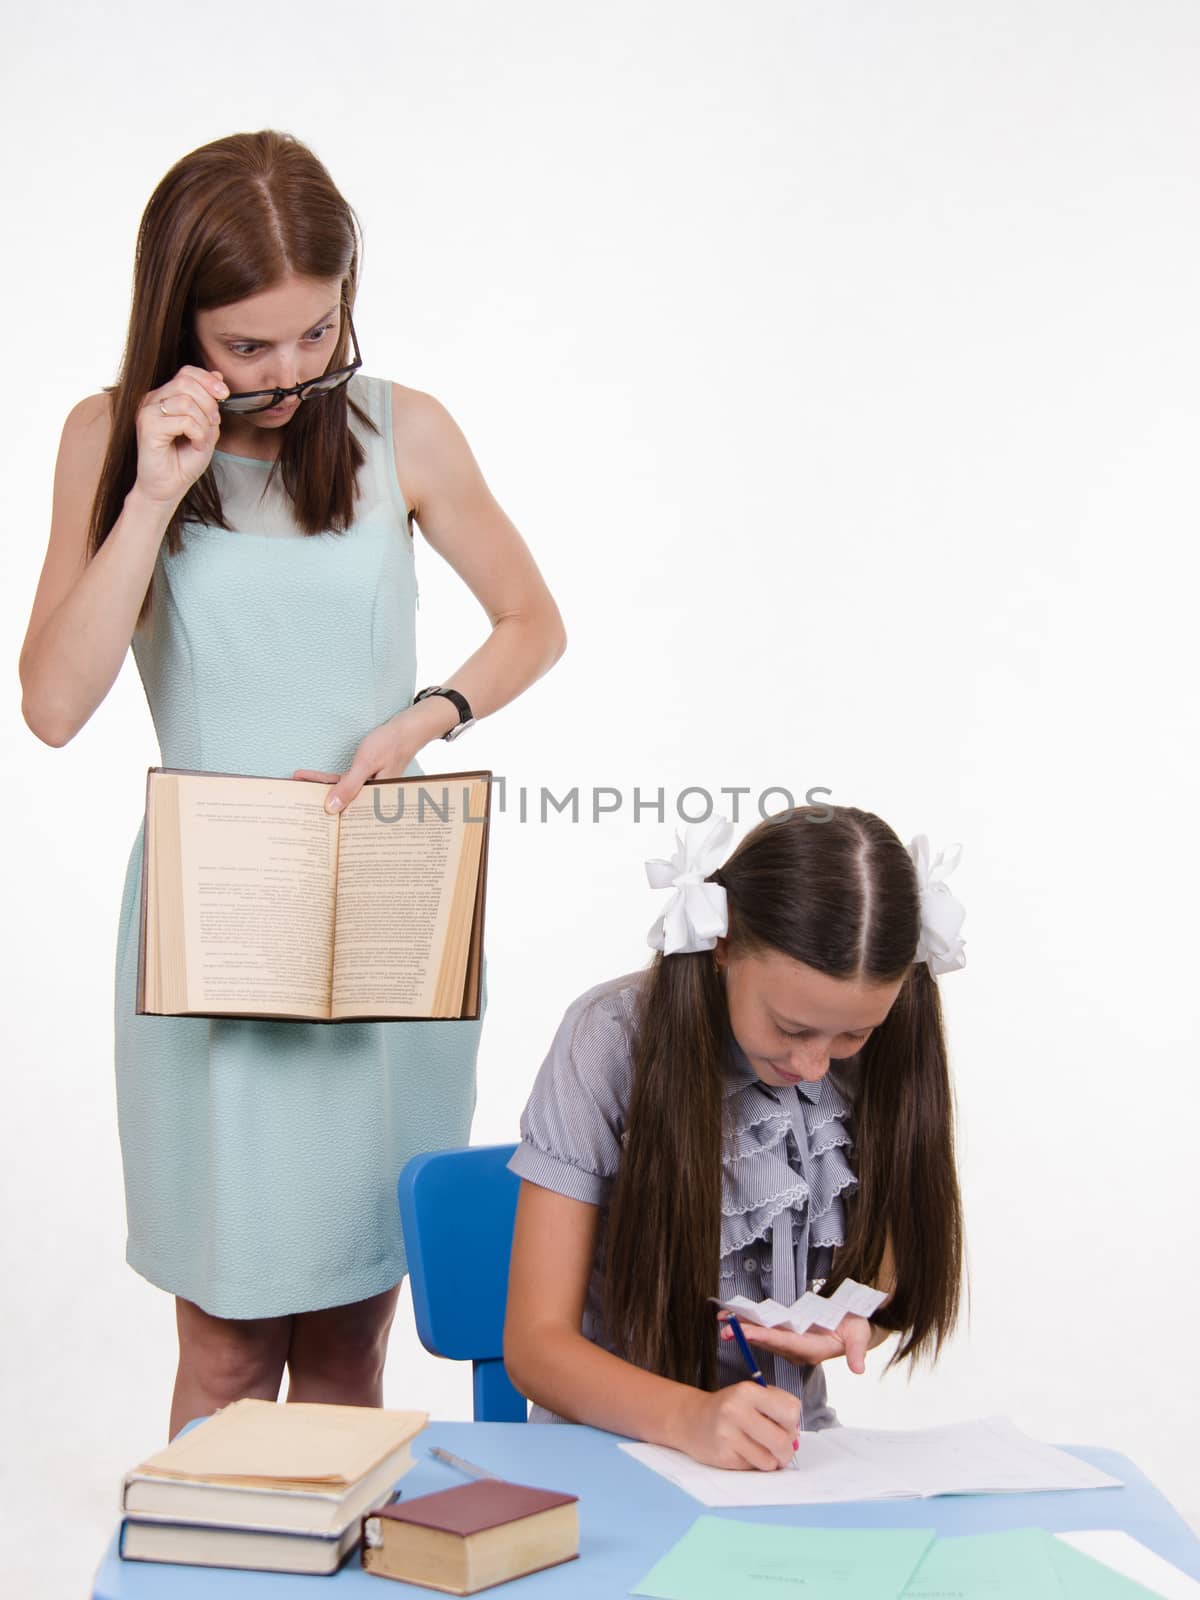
<point x="230" y="220"/>
<point x="833" y="887"/>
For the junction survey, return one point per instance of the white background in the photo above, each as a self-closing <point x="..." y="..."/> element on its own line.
<point x="838" y="362"/>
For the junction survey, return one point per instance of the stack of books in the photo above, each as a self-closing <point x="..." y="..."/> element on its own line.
<point x="272" y="1488"/>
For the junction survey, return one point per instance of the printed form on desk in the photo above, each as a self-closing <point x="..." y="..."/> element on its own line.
<point x="718" y="1558"/>
<point x="837" y="1464"/>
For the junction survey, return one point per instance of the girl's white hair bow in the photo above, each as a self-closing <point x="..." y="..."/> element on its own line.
<point x="941" y="943"/>
<point x="697" y="912"/>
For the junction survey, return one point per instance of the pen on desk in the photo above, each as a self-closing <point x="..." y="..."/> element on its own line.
<point x="748" y="1356"/>
<point x="467" y="1468"/>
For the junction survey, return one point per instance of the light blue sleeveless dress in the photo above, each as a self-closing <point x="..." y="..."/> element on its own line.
<point x="261" y="1158"/>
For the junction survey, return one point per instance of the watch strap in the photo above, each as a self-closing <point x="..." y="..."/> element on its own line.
<point x="458" y="701"/>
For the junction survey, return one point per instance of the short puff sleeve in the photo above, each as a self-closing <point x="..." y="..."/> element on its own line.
<point x="572" y="1124"/>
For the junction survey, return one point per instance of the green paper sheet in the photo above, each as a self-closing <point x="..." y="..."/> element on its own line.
<point x="1021" y="1564"/>
<point x="988" y="1566"/>
<point x="1081" y="1578"/>
<point x="720" y="1559"/>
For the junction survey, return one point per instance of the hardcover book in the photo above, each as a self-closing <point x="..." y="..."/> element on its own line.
<point x="258" y="903"/>
<point x="252" y="1549"/>
<point x="472" y="1537"/>
<point x="259" y="1466"/>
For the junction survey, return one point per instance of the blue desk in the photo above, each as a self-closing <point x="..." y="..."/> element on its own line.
<point x="629" y="1516"/>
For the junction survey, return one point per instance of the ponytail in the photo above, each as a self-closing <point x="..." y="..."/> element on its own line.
<point x="664" y="1234"/>
<point x="907" y="1181"/>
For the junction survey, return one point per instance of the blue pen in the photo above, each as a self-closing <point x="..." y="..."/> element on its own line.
<point x="744" y="1347"/>
<point x="748" y="1355"/>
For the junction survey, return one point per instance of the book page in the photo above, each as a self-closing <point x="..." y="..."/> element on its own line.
<point x="449" y="994"/>
<point x="257" y="862"/>
<point x="402" y="851"/>
<point x="165" y="975"/>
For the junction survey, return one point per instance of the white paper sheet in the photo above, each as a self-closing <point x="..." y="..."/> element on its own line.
<point x="811" y="1310"/>
<point x="1132" y="1559"/>
<point x="839" y="1464"/>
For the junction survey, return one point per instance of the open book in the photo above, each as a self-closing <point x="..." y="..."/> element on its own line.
<point x="256" y="902"/>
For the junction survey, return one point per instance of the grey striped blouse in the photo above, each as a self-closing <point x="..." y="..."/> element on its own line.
<point x="785" y="1169"/>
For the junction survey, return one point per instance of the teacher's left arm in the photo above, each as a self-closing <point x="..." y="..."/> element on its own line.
<point x="460" y="518"/>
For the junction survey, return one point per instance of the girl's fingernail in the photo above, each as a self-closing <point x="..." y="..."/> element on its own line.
<point x="795" y="1444"/>
<point x="334" y="804"/>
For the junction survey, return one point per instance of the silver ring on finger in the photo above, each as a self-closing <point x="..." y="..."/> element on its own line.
<point x="163" y="409"/>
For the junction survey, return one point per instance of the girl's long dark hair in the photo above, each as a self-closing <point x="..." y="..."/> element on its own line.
<point x="834" y="888"/>
<point x="227" y="221"/>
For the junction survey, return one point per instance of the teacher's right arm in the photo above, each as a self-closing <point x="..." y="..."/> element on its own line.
<point x="86" y="609"/>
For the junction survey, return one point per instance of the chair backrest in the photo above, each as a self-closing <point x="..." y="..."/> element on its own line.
<point x="457" y="1209"/>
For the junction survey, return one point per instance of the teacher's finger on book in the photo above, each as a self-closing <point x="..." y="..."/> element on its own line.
<point x="348" y="785"/>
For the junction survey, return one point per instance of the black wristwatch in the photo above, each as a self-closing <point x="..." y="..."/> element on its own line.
<point x="458" y="701"/>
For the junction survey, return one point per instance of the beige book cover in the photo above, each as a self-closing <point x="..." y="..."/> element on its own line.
<point x="286" y="1444"/>
<point x="257" y="903"/>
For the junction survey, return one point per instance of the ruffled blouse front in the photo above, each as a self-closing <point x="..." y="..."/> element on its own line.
<point x="785" y="1171"/>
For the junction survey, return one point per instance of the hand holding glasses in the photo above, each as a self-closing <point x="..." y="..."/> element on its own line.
<point x="179" y="423"/>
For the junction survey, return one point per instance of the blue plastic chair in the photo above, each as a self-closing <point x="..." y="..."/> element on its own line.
<point x="457" y="1208"/>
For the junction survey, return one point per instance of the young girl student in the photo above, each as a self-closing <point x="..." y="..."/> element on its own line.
<point x="765" y="1109"/>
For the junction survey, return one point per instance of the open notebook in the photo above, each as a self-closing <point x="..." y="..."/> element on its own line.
<point x="836" y="1464"/>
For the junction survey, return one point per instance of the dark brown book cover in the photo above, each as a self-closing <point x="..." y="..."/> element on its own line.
<point x="472" y="996"/>
<point x="474" y="1507"/>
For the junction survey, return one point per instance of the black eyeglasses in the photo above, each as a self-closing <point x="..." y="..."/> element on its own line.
<point x="265" y="399"/>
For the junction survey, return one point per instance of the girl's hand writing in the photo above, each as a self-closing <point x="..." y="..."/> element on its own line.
<point x="851" y="1338"/>
<point x="385" y="753"/>
<point x="743" y="1426"/>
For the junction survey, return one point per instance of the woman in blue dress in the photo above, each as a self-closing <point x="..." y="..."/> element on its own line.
<point x="248" y="529"/>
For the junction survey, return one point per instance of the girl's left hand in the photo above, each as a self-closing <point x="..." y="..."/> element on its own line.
<point x="851" y="1338"/>
<point x="385" y="753"/>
